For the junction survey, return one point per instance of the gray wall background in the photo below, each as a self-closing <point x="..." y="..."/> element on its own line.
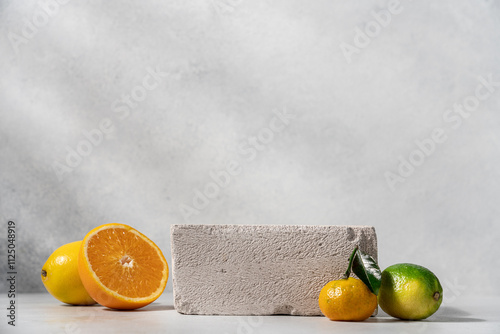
<point x="224" y="68"/>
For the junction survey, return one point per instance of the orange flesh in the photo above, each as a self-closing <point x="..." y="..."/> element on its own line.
<point x="125" y="263"/>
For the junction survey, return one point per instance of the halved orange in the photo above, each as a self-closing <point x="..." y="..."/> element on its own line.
<point x="121" y="268"/>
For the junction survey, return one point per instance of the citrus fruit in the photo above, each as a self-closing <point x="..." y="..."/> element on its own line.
<point x="121" y="268"/>
<point x="60" y="276"/>
<point x="409" y="292"/>
<point x="347" y="299"/>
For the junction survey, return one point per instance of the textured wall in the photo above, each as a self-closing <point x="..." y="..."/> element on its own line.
<point x="305" y="112"/>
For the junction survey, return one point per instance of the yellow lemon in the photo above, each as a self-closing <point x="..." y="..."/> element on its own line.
<point x="60" y="276"/>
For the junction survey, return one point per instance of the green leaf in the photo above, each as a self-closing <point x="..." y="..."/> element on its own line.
<point x="366" y="268"/>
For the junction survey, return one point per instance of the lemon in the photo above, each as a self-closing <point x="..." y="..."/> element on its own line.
<point x="409" y="292"/>
<point x="60" y="276"/>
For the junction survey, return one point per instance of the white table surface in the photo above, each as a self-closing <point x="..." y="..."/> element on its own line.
<point x="40" y="313"/>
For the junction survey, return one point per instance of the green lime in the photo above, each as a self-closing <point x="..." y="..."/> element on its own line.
<point x="409" y="292"/>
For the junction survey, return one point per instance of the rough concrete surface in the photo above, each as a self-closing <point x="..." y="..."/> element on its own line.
<point x="260" y="269"/>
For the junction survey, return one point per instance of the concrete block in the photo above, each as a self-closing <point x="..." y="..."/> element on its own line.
<point x="260" y="269"/>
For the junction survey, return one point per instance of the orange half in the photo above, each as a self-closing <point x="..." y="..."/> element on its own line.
<point x="121" y="268"/>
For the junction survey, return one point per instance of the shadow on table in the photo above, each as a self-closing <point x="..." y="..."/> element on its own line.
<point x="80" y="306"/>
<point x="452" y="314"/>
<point x="444" y="314"/>
<point x="148" y="308"/>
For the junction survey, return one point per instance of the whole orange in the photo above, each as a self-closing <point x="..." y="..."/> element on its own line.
<point x="347" y="299"/>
